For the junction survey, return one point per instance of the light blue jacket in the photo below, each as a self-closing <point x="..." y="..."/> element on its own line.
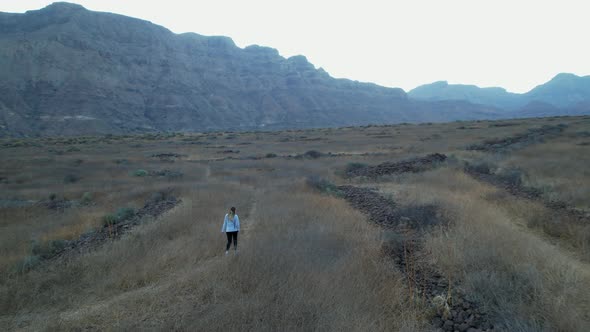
<point x="231" y="225"/>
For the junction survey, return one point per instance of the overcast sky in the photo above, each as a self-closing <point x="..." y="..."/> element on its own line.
<point x="515" y="44"/>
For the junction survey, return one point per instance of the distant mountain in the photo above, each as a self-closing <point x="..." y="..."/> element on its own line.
<point x="442" y="90"/>
<point x="563" y="92"/>
<point x="66" y="71"/>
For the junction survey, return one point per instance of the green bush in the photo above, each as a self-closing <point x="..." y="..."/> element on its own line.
<point x="313" y="154"/>
<point x="28" y="263"/>
<point x="323" y="185"/>
<point x="481" y="167"/>
<point x="123" y="214"/>
<point x="56" y="246"/>
<point x="48" y="249"/>
<point x="140" y="173"/>
<point x="86" y="198"/>
<point x="512" y="176"/>
<point x="71" y="178"/>
<point x="109" y="220"/>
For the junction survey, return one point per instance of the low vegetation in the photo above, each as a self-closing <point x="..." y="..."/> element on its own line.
<point x="373" y="228"/>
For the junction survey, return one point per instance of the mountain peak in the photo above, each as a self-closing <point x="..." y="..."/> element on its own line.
<point x="564" y="76"/>
<point x="63" y="7"/>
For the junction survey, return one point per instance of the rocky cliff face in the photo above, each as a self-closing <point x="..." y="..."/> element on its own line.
<point x="66" y="70"/>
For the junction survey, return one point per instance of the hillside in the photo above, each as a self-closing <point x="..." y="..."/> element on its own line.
<point x="68" y="70"/>
<point x="565" y="93"/>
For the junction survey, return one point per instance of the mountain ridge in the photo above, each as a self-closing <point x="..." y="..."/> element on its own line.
<point x="564" y="90"/>
<point x="70" y="71"/>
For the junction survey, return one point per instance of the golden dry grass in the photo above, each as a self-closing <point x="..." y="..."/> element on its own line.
<point x="307" y="261"/>
<point x="529" y="283"/>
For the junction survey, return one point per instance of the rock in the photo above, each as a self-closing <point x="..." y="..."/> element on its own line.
<point x="461" y="316"/>
<point x="463" y="327"/>
<point x="437" y="322"/>
<point x="448" y="325"/>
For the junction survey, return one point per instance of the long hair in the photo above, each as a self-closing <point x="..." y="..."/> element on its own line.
<point x="232" y="212"/>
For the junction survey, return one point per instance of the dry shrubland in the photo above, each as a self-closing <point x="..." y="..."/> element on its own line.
<point x="307" y="260"/>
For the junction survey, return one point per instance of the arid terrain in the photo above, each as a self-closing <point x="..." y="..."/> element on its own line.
<point x="461" y="226"/>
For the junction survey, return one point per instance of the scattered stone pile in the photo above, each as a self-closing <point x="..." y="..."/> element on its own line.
<point x="384" y="212"/>
<point x="532" y="136"/>
<point x="451" y="310"/>
<point x="510" y="184"/>
<point x="159" y="203"/>
<point x="168" y="157"/>
<point x="165" y="173"/>
<point x="516" y="188"/>
<point x="413" y="165"/>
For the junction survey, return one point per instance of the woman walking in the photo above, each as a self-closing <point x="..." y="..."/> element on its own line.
<point x="231" y="227"/>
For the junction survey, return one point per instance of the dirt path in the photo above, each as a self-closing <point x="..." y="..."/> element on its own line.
<point x="248" y="225"/>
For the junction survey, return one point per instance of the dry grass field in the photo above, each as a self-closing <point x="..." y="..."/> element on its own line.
<point x="123" y="232"/>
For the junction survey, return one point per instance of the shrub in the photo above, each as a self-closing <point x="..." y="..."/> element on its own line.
<point x="109" y="220"/>
<point x="512" y="176"/>
<point x="323" y="185"/>
<point x="271" y="155"/>
<point x="123" y="214"/>
<point x="482" y="167"/>
<point x="140" y="173"/>
<point x="71" y="178"/>
<point x="56" y="246"/>
<point x="313" y="154"/>
<point x="28" y="263"/>
<point x="22" y="178"/>
<point x="86" y="198"/>
<point x="48" y="249"/>
<point x="169" y="174"/>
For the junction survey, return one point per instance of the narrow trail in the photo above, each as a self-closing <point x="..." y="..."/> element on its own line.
<point x="207" y="172"/>
<point x="248" y="225"/>
<point x="170" y="282"/>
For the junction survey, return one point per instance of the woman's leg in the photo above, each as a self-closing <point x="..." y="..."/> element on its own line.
<point x="229" y="236"/>
<point x="235" y="235"/>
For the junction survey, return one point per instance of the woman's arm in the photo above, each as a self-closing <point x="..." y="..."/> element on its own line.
<point x="224" y="227"/>
<point x="237" y="220"/>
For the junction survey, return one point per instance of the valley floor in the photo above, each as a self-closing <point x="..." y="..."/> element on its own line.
<point x="342" y="229"/>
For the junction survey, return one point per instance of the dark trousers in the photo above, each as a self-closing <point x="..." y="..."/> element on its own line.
<point x="230" y="236"/>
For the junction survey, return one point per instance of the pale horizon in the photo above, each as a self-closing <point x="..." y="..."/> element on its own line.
<point x="516" y="46"/>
